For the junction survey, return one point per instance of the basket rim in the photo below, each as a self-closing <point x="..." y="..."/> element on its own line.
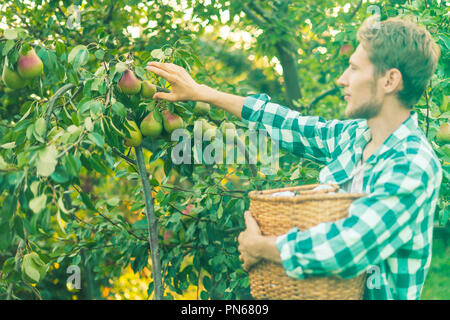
<point x="264" y="195"/>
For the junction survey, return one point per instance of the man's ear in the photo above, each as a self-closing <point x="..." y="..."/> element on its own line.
<point x="393" y="81"/>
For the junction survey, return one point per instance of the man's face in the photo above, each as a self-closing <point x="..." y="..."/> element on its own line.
<point x="360" y="87"/>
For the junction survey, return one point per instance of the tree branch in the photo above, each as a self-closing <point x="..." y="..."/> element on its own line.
<point x="263" y="13"/>
<point x="109" y="14"/>
<point x="152" y="225"/>
<point x="51" y="105"/>
<point x="352" y="15"/>
<point x="323" y="95"/>
<point x="260" y="22"/>
<point x="120" y="154"/>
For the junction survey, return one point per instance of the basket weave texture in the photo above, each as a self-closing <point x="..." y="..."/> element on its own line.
<point x="276" y="215"/>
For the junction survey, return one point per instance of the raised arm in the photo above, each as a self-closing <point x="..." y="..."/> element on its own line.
<point x="306" y="136"/>
<point x="185" y="88"/>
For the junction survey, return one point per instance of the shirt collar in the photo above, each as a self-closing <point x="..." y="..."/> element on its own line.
<point x="399" y="134"/>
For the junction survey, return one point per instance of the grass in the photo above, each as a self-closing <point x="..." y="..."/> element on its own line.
<point x="437" y="283"/>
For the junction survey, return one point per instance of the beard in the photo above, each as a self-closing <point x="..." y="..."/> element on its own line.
<point x="369" y="109"/>
<point x="366" y="111"/>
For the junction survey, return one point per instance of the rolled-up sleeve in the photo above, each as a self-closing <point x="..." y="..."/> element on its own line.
<point x="307" y="136"/>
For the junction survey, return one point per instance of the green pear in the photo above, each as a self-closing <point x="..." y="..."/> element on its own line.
<point x="151" y="127"/>
<point x="208" y="128"/>
<point x="29" y="65"/>
<point x="182" y="235"/>
<point x="201" y="108"/>
<point x="228" y="128"/>
<point x="443" y="135"/>
<point x="135" y="139"/>
<point x="128" y="83"/>
<point x="148" y="89"/>
<point x="171" y="121"/>
<point x="12" y="79"/>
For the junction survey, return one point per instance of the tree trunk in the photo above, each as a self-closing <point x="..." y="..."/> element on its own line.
<point x="291" y="80"/>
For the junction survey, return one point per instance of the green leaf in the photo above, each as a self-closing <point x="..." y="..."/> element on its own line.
<point x="76" y="260"/>
<point x="121" y="67"/>
<point x="10" y="34"/>
<point x="78" y="56"/>
<point x="47" y="161"/>
<point x="18" y="227"/>
<point x="9" y="145"/>
<point x="97" y="163"/>
<point x="140" y="72"/>
<point x="87" y="201"/>
<point x="219" y="212"/>
<point x="60" y="175"/>
<point x="113" y="202"/>
<point x="295" y="174"/>
<point x="32" y="275"/>
<point x="49" y="59"/>
<point x="443" y="218"/>
<point x="3" y="164"/>
<point x="73" y="165"/>
<point x="119" y="109"/>
<point x="97" y="139"/>
<point x="99" y="54"/>
<point x="9" y="207"/>
<point x="88" y="124"/>
<point x="38" y="203"/>
<point x="39" y="127"/>
<point x="60" y="48"/>
<point x="6" y="236"/>
<point x="158" y="54"/>
<point x="8" y="46"/>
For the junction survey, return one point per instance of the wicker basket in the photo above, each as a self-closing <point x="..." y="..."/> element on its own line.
<point x="278" y="214"/>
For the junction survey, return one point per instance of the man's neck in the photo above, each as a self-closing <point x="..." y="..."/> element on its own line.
<point x="386" y="122"/>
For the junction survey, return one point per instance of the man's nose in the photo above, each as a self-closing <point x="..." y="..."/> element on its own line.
<point x="342" y="81"/>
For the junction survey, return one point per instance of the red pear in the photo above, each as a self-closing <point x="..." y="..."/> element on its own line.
<point x="129" y="84"/>
<point x="171" y="121"/>
<point x="443" y="135"/>
<point x="30" y="65"/>
<point x="346" y="50"/>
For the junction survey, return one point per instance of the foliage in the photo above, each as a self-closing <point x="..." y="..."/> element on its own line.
<point x="70" y="190"/>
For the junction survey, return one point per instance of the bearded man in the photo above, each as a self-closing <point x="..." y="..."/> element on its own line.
<point x="379" y="151"/>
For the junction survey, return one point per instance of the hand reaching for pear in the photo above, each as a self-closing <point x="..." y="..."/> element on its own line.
<point x="184" y="88"/>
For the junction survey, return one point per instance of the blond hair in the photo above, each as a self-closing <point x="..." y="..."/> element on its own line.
<point x="402" y="44"/>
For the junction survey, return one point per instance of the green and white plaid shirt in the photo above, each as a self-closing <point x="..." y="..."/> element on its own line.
<point x="388" y="233"/>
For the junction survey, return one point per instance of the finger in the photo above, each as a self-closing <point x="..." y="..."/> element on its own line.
<point x="168" y="67"/>
<point x="164" y="96"/>
<point x="250" y="222"/>
<point x="173" y="67"/>
<point x="162" y="73"/>
<point x="159" y="65"/>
